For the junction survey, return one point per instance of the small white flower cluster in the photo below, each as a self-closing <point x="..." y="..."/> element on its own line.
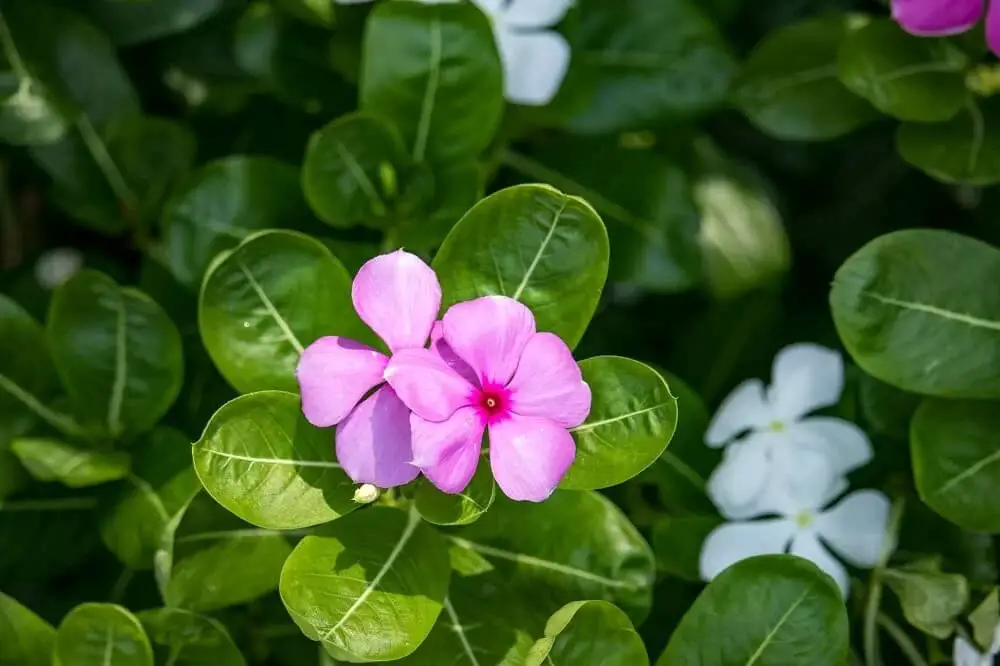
<point x="57" y="265"/>
<point x="967" y="654"/>
<point x="787" y="469"/>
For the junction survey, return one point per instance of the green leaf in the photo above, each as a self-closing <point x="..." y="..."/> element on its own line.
<point x="904" y="76"/>
<point x="25" y="638"/>
<point x="220" y="560"/>
<point x="136" y="22"/>
<point x="183" y="638"/>
<point x="538" y="546"/>
<point x="102" y="635"/>
<point x="136" y="512"/>
<point x="262" y="303"/>
<point x="69" y="464"/>
<point x="376" y="568"/>
<point x="351" y="171"/>
<point x="319" y="12"/>
<point x="536" y="245"/>
<point x="985" y="619"/>
<point x="433" y="71"/>
<point x="677" y="542"/>
<point x="259" y="458"/>
<point x="956" y="463"/>
<point x="222" y="203"/>
<point x="965" y="149"/>
<point x="888" y="409"/>
<point x="589" y="633"/>
<point x="54" y="532"/>
<point x="118" y="353"/>
<point x="771" y="610"/>
<point x="632" y="418"/>
<point x="425" y="217"/>
<point x="931" y="600"/>
<point x="27" y="115"/>
<point x="461" y="509"/>
<point x="906" y="326"/>
<point x="646" y="200"/>
<point x="789" y="88"/>
<point x="645" y="61"/>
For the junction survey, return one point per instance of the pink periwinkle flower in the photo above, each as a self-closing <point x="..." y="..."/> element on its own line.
<point x="488" y="369"/>
<point x="947" y="17"/>
<point x="398" y="296"/>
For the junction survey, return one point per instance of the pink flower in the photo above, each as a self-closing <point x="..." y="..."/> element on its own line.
<point x="488" y="369"/>
<point x="947" y="17"/>
<point x="398" y="296"/>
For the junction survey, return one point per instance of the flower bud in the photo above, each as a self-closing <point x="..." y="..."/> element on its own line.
<point x="366" y="494"/>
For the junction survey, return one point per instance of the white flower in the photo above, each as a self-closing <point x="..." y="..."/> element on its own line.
<point x="967" y="654"/>
<point x="855" y="529"/>
<point x="772" y="442"/>
<point x="58" y="265"/>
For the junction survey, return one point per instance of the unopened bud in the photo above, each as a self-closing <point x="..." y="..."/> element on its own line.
<point x="366" y="494"/>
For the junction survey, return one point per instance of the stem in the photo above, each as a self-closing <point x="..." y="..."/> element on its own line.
<point x="107" y="165"/>
<point x="62" y="422"/>
<point x="118" y="591"/>
<point x="871" y="615"/>
<point x="9" y="50"/>
<point x="175" y="652"/>
<point x="902" y="640"/>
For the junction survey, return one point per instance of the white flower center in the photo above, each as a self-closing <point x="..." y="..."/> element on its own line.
<point x="804" y="519"/>
<point x="777" y="426"/>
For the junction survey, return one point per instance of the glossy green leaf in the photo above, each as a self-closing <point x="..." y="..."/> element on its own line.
<point x="965" y="149"/>
<point x="352" y="169"/>
<point x="118" y="353"/>
<point x="135" y="22"/>
<point x="902" y="75"/>
<point x="905" y="325"/>
<point x="136" y="511"/>
<point x="931" y="600"/>
<point x="101" y="635"/>
<point x="376" y="568"/>
<point x="589" y="633"/>
<point x="53" y="529"/>
<point x="27" y="115"/>
<point x="787" y="611"/>
<point x="222" y="203"/>
<point x="69" y="464"/>
<point x="888" y="409"/>
<point x="985" y="619"/>
<point x="429" y="210"/>
<point x="956" y="461"/>
<point x="677" y="542"/>
<point x="265" y="301"/>
<point x="632" y="418"/>
<point x="646" y="200"/>
<point x="574" y="545"/>
<point x="643" y="61"/>
<point x="789" y="88"/>
<point x="259" y="458"/>
<point x="433" y="71"/>
<point x="536" y="245"/>
<point x="219" y="560"/>
<point x="461" y="509"/>
<point x="183" y="638"/>
<point x="320" y="12"/>
<point x="25" y="638"/>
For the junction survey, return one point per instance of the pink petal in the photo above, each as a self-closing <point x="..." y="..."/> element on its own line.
<point x="334" y="374"/>
<point x="427" y="385"/>
<point x="448" y="355"/>
<point x="448" y="452"/>
<point x="489" y="334"/>
<point x="993" y="27"/>
<point x="529" y="456"/>
<point x="373" y="442"/>
<point x="548" y="383"/>
<point x="398" y="296"/>
<point x="937" y="17"/>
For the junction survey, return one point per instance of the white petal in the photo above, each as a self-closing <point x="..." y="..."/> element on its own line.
<point x="535" y="13"/>
<point x="491" y="8"/>
<point x="802" y="479"/>
<point x="743" y="409"/>
<point x="856" y="527"/>
<point x="732" y="542"/>
<point x="966" y="654"/>
<point x="805" y="544"/>
<point x="845" y="444"/>
<point x="739" y="481"/>
<point x="995" y="646"/>
<point x="534" y="65"/>
<point x="805" y="377"/>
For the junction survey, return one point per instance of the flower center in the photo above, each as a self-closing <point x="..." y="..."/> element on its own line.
<point x="777" y="426"/>
<point x="493" y="402"/>
<point x="804" y="519"/>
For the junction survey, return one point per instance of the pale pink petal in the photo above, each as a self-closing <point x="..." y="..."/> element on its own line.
<point x="743" y="409"/>
<point x="426" y="384"/>
<point x="534" y="65"/>
<point x="373" y="442"/>
<point x="730" y="543"/>
<point x="937" y="17"/>
<point x="334" y="374"/>
<point x="398" y="296"/>
<point x="993" y="27"/>
<point x="489" y="334"/>
<point x="845" y="445"/>
<point x="529" y="456"/>
<point x="805" y="377"/>
<point x="535" y="13"/>
<point x="448" y="355"/>
<point x="806" y="545"/>
<point x="448" y="452"/>
<point x="856" y="527"/>
<point x="548" y="383"/>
